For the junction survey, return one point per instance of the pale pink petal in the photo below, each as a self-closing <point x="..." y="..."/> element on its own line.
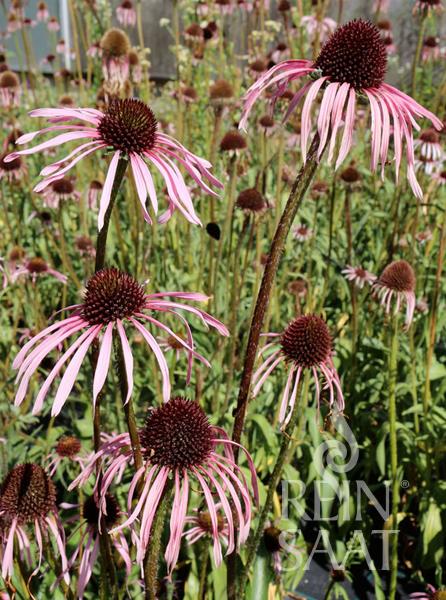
<point x="103" y="362"/>
<point x="107" y="189"/>
<point x="128" y="358"/>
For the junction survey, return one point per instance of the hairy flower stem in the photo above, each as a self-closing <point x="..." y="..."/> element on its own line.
<point x="108" y="573"/>
<point x="297" y="194"/>
<point x="128" y="406"/>
<point x="282" y="459"/>
<point x="101" y="242"/>
<point x="393" y="364"/>
<point x="151" y="559"/>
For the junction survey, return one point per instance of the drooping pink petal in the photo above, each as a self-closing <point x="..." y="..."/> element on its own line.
<point x="103" y="361"/>
<point x="128" y="358"/>
<point x="107" y="189"/>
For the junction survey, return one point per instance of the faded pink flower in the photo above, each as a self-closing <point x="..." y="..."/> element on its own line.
<point x="353" y="61"/>
<point x="358" y="275"/>
<point x="397" y="280"/>
<point x="302" y="233"/>
<point x="179" y="444"/>
<point x="305" y="344"/>
<point x="28" y="500"/>
<point x="53" y="24"/>
<point x="130" y="130"/>
<point x="111" y="299"/>
<point x="42" y="14"/>
<point x="315" y="27"/>
<point x="36" y="267"/>
<point x="126" y="13"/>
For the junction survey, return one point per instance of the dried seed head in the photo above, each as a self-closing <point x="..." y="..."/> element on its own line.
<point x="266" y="121"/>
<point x="8" y="79"/>
<point x="111" y="294"/>
<point x="233" y="140"/>
<point x="350" y="175"/>
<point x="251" y="200"/>
<point x="319" y="188"/>
<point x="307" y="341"/>
<point x="27" y="494"/>
<point x="271" y="538"/>
<point x="221" y="90"/>
<point x="177" y="435"/>
<point x="84" y="243"/>
<point x="68" y="446"/>
<point x="90" y="511"/>
<point x="298" y="287"/>
<point x="398" y="276"/>
<point x="63" y="187"/>
<point x="354" y="54"/>
<point x="115" y="42"/>
<point x="128" y="125"/>
<point x="36" y="265"/>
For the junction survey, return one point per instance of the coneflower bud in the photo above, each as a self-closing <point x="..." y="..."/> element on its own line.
<point x="177" y="435"/>
<point x="251" y="200"/>
<point x="350" y="175"/>
<point x="27" y="494"/>
<point x="267" y="122"/>
<point x="233" y="140"/>
<point x="115" y="42"/>
<point x="221" y="90"/>
<point x="271" y="538"/>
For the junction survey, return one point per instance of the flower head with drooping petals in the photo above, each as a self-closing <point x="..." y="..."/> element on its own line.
<point x="358" y="276"/>
<point x="397" y="279"/>
<point x="305" y="344"/>
<point x="126" y="13"/>
<point x="129" y="129"/>
<point x="36" y="267"/>
<point x="179" y="445"/>
<point x="28" y="498"/>
<point x="112" y="299"/>
<point x="352" y="63"/>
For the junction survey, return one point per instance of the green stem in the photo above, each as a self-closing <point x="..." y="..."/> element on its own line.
<point x="393" y="362"/>
<point x="103" y="234"/>
<point x="151" y="559"/>
<point x="282" y="459"/>
<point x="416" y="58"/>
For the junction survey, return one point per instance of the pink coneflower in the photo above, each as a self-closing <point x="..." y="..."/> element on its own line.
<point x="202" y="526"/>
<point x="397" y="279"/>
<point x="305" y="344"/>
<point x="431" y="49"/>
<point x="280" y="52"/>
<point x="431" y="593"/>
<point x="126" y="14"/>
<point x="429" y="146"/>
<point x="85" y="246"/>
<point x="88" y="546"/>
<point x="58" y="191"/>
<point x="28" y="499"/>
<point x="428" y="6"/>
<point x="129" y="128"/>
<point x="14" y="23"/>
<point x="358" y="275"/>
<point x="67" y="449"/>
<point x="94" y="50"/>
<point x="257" y="68"/>
<point x="353" y="61"/>
<point x="318" y="28"/>
<point x="251" y="201"/>
<point x="440" y="177"/>
<point x="423" y="236"/>
<point x="53" y="24"/>
<point x="226" y="7"/>
<point x="179" y="443"/>
<point x="37" y="267"/>
<point x="42" y="12"/>
<point x="115" y="46"/>
<point x="94" y="191"/>
<point x="13" y="170"/>
<point x="10" y="90"/>
<point x="302" y="233"/>
<point x="272" y="540"/>
<point x="135" y="67"/>
<point x="111" y="299"/>
<point x="390" y="46"/>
